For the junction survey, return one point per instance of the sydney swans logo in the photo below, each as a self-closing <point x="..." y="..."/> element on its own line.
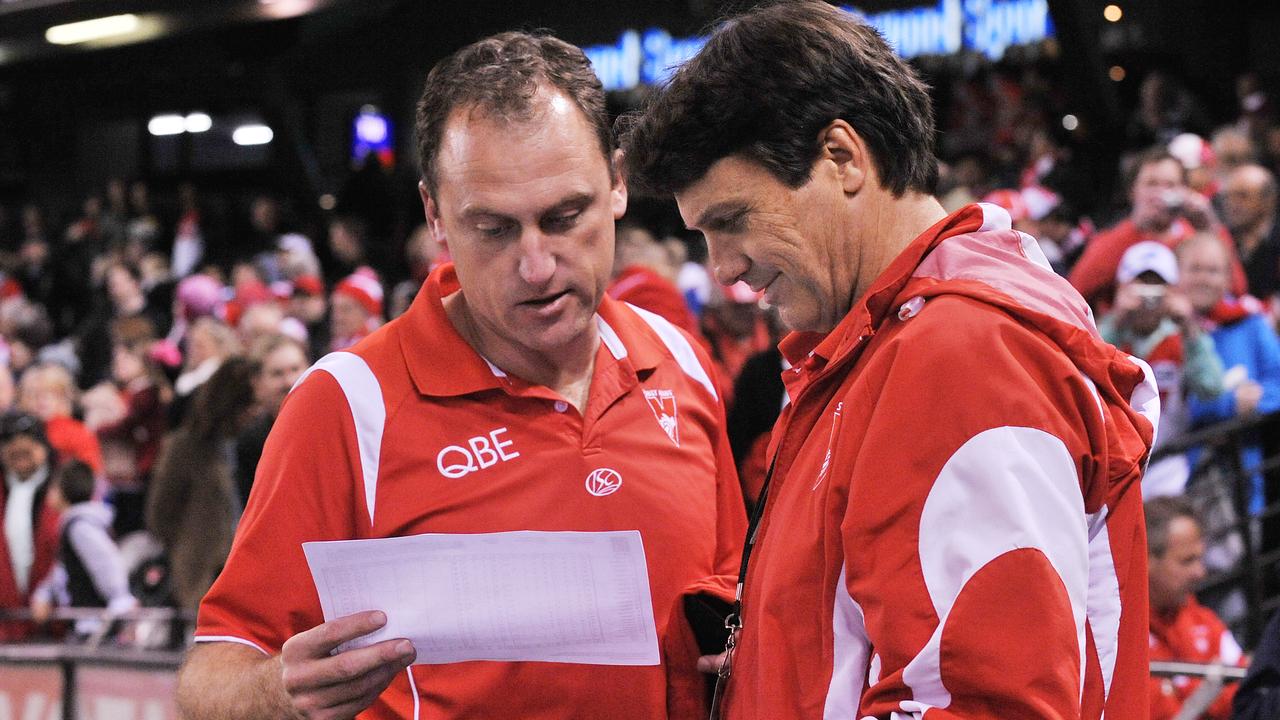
<point x="603" y="481"/>
<point x="663" y="405"/>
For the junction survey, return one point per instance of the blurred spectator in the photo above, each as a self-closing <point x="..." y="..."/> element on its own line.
<point x="8" y="391"/>
<point x="692" y="278"/>
<point x="72" y="295"/>
<point x="1165" y="109"/>
<point x="1181" y="628"/>
<point x="422" y="254"/>
<point x="355" y="309"/>
<point x="1197" y="158"/>
<point x="31" y="332"/>
<point x="1249" y="202"/>
<point x="294" y="257"/>
<point x="195" y="296"/>
<point x="1233" y="148"/>
<point x="1028" y="209"/>
<point x="209" y="342"/>
<point x="90" y="572"/>
<point x="963" y="181"/>
<point x="1163" y="211"/>
<point x="308" y="306"/>
<point x="281" y="360"/>
<point x="116" y="214"/>
<point x="47" y="391"/>
<point x="126" y="299"/>
<point x="351" y="247"/>
<point x="1244" y="339"/>
<point x="193" y="479"/>
<point x="259" y="320"/>
<point x="143" y="228"/>
<point x="29" y="545"/>
<point x="188" y="240"/>
<point x="642" y="274"/>
<point x="143" y="392"/>
<point x="1154" y="320"/>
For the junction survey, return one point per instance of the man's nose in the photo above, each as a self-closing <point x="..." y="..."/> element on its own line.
<point x="727" y="265"/>
<point x="537" y="258"/>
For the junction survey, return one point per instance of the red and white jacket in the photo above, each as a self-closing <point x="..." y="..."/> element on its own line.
<point x="954" y="527"/>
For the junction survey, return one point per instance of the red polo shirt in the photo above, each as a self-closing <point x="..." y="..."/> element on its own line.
<point x="412" y="432"/>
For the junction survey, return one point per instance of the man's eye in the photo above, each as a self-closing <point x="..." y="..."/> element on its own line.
<point x="564" y="221"/>
<point x="493" y="231"/>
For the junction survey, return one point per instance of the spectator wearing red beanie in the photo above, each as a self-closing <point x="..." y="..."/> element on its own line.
<point x="355" y="308"/>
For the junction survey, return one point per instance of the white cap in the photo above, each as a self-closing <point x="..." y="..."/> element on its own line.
<point x="1148" y="256"/>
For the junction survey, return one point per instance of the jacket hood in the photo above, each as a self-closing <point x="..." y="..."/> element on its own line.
<point x="98" y="513"/>
<point x="1005" y="268"/>
<point x="975" y="253"/>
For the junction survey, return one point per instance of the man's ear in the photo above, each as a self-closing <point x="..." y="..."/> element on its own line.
<point x="845" y="148"/>
<point x="618" y="193"/>
<point x="432" y="211"/>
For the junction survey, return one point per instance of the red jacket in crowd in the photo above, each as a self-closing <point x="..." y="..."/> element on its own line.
<point x="1193" y="634"/>
<point x="1094" y="274"/>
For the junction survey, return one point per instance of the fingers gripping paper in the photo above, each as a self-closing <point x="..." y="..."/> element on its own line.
<point x="573" y="597"/>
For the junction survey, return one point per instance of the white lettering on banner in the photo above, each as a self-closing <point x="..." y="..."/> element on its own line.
<point x="35" y="706"/>
<point x="986" y="26"/>
<point x="481" y="452"/>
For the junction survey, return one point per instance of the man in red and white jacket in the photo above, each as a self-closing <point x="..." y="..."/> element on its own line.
<point x="953" y="524"/>
<point x="1182" y="629"/>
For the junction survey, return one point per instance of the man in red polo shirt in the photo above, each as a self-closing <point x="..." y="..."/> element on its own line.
<point x="490" y="405"/>
<point x="1163" y="209"/>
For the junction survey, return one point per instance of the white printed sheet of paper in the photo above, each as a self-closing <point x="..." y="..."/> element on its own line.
<point x="571" y="597"/>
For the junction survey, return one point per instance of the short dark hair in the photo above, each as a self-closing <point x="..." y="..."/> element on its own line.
<point x="763" y="87"/>
<point x="1160" y="512"/>
<point x="75" y="482"/>
<point x="499" y="76"/>
<point x="1150" y="156"/>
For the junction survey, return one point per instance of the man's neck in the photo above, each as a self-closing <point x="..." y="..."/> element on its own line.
<point x="567" y="371"/>
<point x="891" y="225"/>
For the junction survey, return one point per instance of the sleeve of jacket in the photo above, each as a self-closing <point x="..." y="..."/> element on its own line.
<point x="1203" y="367"/>
<point x="1267" y="346"/>
<point x="970" y="521"/>
<point x="102" y="559"/>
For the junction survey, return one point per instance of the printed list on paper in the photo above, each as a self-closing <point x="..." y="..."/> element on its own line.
<point x="572" y="597"/>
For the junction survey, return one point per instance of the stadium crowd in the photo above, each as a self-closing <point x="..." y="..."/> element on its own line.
<point x="145" y="347"/>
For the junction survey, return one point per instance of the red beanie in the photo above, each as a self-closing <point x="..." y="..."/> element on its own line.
<point x="363" y="287"/>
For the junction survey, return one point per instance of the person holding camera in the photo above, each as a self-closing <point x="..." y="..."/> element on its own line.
<point x="1153" y="319"/>
<point x="1163" y="210"/>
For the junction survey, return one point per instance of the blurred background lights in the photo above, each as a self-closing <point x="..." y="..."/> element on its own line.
<point x="252" y="135"/>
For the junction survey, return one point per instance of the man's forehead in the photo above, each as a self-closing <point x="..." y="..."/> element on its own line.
<point x="549" y="153"/>
<point x="720" y="189"/>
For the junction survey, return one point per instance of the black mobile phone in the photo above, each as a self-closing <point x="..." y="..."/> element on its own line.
<point x="706" y="615"/>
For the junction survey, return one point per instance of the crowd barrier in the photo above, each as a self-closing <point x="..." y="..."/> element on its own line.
<point x="91" y="679"/>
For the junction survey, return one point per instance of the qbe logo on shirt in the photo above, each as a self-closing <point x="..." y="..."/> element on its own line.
<point x="603" y="481"/>
<point x="479" y="453"/>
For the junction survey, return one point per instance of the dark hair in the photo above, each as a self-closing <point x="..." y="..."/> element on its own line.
<point x="1160" y="512"/>
<point x="16" y="423"/>
<point x="75" y="482"/>
<point x="499" y="77"/>
<point x="220" y="400"/>
<point x="765" y="85"/>
<point x="1150" y="156"/>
